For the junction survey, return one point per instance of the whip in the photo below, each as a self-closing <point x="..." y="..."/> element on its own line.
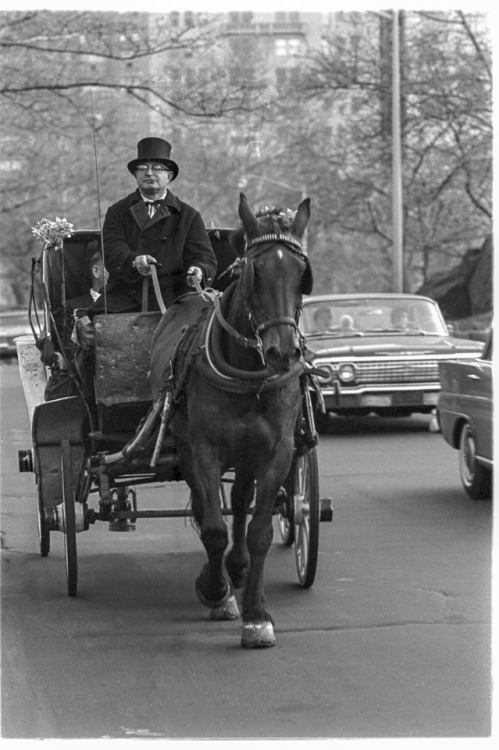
<point x="98" y="199"/>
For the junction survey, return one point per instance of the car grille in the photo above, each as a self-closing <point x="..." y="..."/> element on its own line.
<point x="396" y="372"/>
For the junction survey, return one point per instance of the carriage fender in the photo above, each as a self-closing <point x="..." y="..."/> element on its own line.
<point x="53" y="422"/>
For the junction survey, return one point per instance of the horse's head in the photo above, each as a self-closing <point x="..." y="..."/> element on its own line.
<point x="275" y="275"/>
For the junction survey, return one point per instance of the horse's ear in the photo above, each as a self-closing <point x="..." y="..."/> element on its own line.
<point x="247" y="217"/>
<point x="302" y="218"/>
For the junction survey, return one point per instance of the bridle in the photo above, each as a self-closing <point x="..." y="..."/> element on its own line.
<point x="254" y="249"/>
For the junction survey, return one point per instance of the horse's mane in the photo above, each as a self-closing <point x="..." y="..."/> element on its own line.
<point x="268" y="218"/>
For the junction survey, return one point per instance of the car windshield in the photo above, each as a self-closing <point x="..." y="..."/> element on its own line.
<point x="361" y="317"/>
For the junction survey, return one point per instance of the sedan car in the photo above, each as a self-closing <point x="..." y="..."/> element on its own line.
<point x="379" y="353"/>
<point x="465" y="418"/>
<point x="12" y="324"/>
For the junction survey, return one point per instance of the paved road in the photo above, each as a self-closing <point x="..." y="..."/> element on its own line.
<point x="392" y="641"/>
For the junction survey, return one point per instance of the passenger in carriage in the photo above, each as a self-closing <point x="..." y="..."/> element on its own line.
<point x="76" y="334"/>
<point x="77" y="307"/>
<point x="99" y="276"/>
<point x="153" y="226"/>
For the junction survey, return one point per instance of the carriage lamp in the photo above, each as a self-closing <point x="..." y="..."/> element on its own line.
<point x="347" y="373"/>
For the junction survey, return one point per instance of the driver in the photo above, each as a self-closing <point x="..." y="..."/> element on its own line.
<point x="153" y="226"/>
<point x="323" y="319"/>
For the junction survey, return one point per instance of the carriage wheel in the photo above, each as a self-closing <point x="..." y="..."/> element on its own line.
<point x="43" y="526"/>
<point x="307" y="517"/>
<point x="69" y="525"/>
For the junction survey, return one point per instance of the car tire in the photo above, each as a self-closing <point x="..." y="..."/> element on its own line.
<point x="475" y="477"/>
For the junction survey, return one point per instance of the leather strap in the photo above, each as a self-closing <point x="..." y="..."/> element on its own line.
<point x="157" y="290"/>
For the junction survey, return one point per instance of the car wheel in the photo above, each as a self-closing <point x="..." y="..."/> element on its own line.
<point x="475" y="477"/>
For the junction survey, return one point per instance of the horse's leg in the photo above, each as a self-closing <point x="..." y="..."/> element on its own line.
<point x="258" y="626"/>
<point x="237" y="561"/>
<point x="212" y="587"/>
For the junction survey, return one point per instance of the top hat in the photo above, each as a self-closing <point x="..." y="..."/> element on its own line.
<point x="153" y="149"/>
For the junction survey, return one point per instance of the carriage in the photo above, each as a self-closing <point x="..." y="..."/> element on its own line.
<point x="94" y="444"/>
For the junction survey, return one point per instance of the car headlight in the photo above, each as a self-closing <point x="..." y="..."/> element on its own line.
<point x="347" y="373"/>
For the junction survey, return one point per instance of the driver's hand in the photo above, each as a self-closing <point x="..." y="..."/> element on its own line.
<point x="194" y="272"/>
<point x="143" y="264"/>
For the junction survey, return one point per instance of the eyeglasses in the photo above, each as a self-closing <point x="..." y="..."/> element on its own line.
<point x="143" y="168"/>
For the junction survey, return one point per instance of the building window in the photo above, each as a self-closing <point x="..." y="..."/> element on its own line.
<point x="280" y="47"/>
<point x="287" y="47"/>
<point x="282" y="16"/>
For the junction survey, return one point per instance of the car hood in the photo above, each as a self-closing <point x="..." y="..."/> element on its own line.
<point x="391" y="344"/>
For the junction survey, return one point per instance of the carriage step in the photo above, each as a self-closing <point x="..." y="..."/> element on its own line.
<point x="326" y="509"/>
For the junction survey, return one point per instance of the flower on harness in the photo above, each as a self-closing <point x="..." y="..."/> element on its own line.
<point x="52" y="233"/>
<point x="284" y="217"/>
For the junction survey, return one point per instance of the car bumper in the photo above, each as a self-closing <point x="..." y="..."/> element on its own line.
<point x="419" y="398"/>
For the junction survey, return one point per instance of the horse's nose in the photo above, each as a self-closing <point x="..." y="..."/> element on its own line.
<point x="280" y="361"/>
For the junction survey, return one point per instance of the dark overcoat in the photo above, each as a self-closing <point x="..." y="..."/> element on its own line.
<point x="175" y="236"/>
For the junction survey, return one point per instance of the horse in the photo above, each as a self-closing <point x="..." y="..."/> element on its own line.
<point x="236" y="406"/>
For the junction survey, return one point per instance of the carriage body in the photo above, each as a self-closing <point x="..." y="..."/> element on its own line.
<point x="77" y="437"/>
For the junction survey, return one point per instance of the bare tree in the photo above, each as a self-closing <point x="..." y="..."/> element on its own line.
<point x="447" y="131"/>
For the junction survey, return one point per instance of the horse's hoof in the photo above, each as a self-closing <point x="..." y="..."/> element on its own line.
<point x="210" y="603"/>
<point x="258" y="635"/>
<point x="228" y="611"/>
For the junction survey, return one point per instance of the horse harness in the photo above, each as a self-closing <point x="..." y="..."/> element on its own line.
<point x="246" y="263"/>
<point x="212" y="364"/>
<point x="200" y="343"/>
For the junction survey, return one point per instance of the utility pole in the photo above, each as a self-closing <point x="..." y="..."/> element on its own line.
<point x="397" y="205"/>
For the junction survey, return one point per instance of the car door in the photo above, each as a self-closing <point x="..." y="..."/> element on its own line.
<point x="477" y="387"/>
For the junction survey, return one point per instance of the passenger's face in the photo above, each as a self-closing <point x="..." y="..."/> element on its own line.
<point x="324" y="319"/>
<point x="100" y="273"/>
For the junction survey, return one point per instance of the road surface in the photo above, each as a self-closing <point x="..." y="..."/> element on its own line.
<point x="393" y="640"/>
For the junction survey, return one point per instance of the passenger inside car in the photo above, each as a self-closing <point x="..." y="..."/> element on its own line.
<point x="323" y="319"/>
<point x="347" y="324"/>
<point x="400" y="319"/>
